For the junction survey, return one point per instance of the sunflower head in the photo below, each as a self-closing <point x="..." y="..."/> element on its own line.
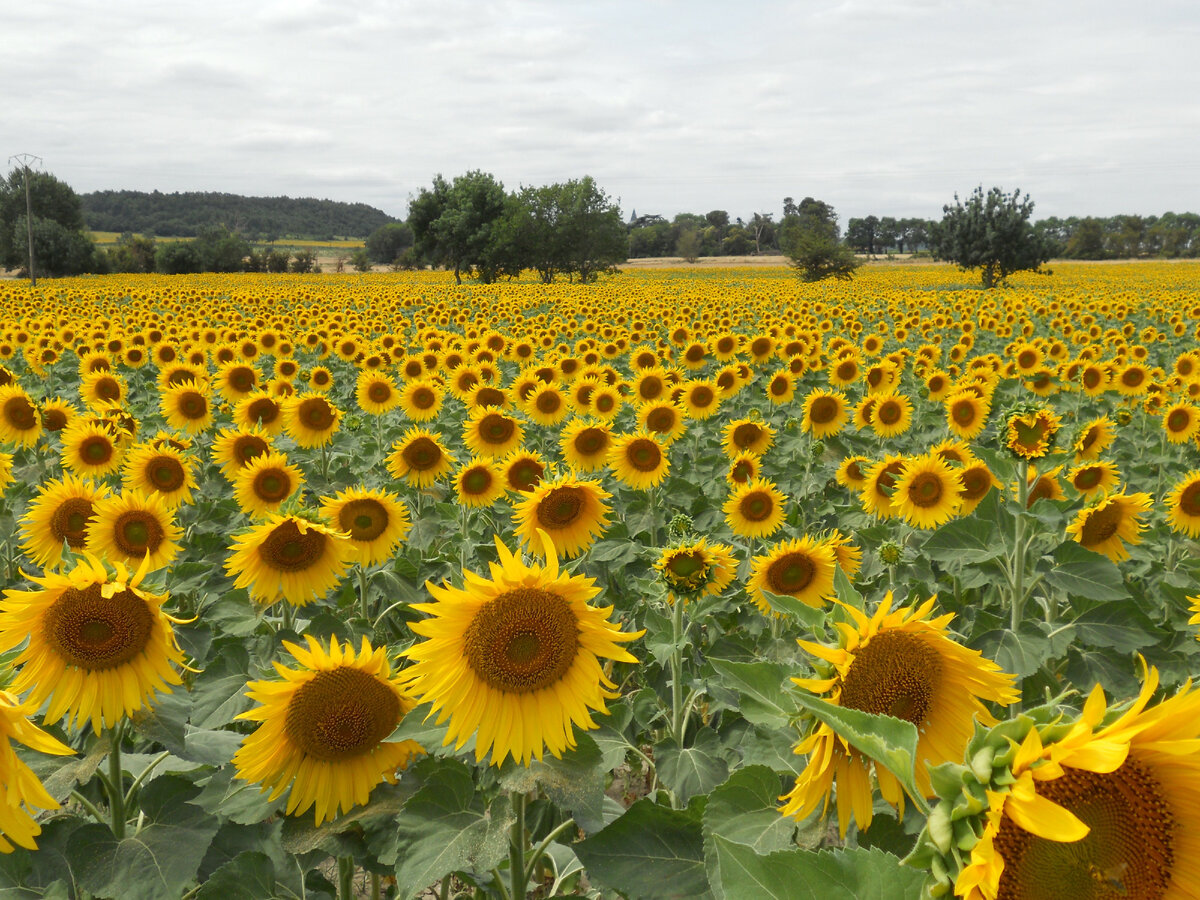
<point x="696" y="568"/>
<point x="570" y="510"/>
<point x="289" y="557"/>
<point x="1029" y="431"/>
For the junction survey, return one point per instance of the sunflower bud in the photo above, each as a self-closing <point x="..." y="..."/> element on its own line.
<point x="890" y="553"/>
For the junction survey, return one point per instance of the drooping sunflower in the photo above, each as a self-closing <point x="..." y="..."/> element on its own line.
<point x="1183" y="505"/>
<point x="891" y="415"/>
<point x="23" y="791"/>
<point x="419" y="458"/>
<point x="234" y="448"/>
<point x="697" y="568"/>
<point x="134" y="528"/>
<point x="187" y="406"/>
<point x="324" y="728"/>
<point x="97" y="647"/>
<point x="801" y="568"/>
<point x="977" y="482"/>
<point x="1110" y="524"/>
<point x="876" y="493"/>
<point x="259" y="410"/>
<point x="1043" y="485"/>
<point x="265" y="483"/>
<point x="515" y="659"/>
<point x="523" y="470"/>
<point x="571" y="511"/>
<point x="638" y="460"/>
<point x="1094" y="479"/>
<point x="928" y="492"/>
<point x="585" y="444"/>
<point x="664" y="419"/>
<point x="1029" y="433"/>
<point x="311" y="419"/>
<point x="846" y="553"/>
<point x="20" y="424"/>
<point x="165" y="471"/>
<point x="61" y="512"/>
<point x="743" y="468"/>
<point x="89" y="450"/>
<point x="754" y="509"/>
<point x="289" y="557"/>
<point x="966" y="414"/>
<point x="825" y="413"/>
<point x="747" y="436"/>
<point x="1101" y="807"/>
<point x="1093" y="439"/>
<point x="901" y="663"/>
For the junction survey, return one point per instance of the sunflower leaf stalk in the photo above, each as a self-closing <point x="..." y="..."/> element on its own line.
<point x="517" y="846"/>
<point x="115" y="784"/>
<point x="1017" y="560"/>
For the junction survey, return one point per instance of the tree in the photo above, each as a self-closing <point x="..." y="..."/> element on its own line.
<point x="762" y="229"/>
<point x="221" y="250"/>
<point x="386" y="243"/>
<point x="861" y="234"/>
<point x="61" y="246"/>
<point x="452" y="222"/>
<point x="569" y="228"/>
<point x="176" y="258"/>
<point x="992" y="233"/>
<point x="688" y="245"/>
<point x="808" y="236"/>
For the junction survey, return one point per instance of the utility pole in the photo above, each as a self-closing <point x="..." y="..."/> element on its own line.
<point x="23" y="160"/>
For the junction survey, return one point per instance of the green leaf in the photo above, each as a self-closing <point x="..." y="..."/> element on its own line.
<point x="241" y="802"/>
<point x="809" y="875"/>
<point x="160" y="860"/>
<point x="966" y="541"/>
<point x="810" y="616"/>
<point x="1121" y="626"/>
<point x="219" y="692"/>
<point x="445" y="828"/>
<point x="1019" y="652"/>
<point x="844" y="589"/>
<point x="891" y="742"/>
<point x="745" y="809"/>
<point x="249" y="876"/>
<point x="649" y="853"/>
<point x="575" y="782"/>
<point x="760" y="684"/>
<point x="1085" y="573"/>
<point x="693" y="770"/>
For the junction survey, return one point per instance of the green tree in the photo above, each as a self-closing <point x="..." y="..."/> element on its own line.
<point x="591" y="230"/>
<point x="61" y="246"/>
<point x="452" y="223"/>
<point x="360" y="260"/>
<point x="387" y="243"/>
<point x="861" y="234"/>
<point x="991" y="232"/>
<point x="688" y="245"/>
<point x="176" y="258"/>
<point x="304" y="261"/>
<point x="221" y="250"/>
<point x="808" y="237"/>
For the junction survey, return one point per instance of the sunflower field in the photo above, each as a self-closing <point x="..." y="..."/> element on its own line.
<point x="684" y="584"/>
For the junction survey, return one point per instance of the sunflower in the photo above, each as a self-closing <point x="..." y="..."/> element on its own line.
<point x="265" y="483"/>
<point x="701" y="399"/>
<point x="743" y="468"/>
<point x="259" y="410"/>
<point x="638" y="461"/>
<point x="1043" y="486"/>
<point x="234" y="448"/>
<point x="891" y="415"/>
<point x="697" y="568"/>
<point x="419" y="458"/>
<point x="1094" y="479"/>
<point x="421" y="399"/>
<point x="900" y="663"/>
<point x="977" y="482"/>
<point x="876" y="494"/>
<point x="20" y="423"/>
<point x="59" y="513"/>
<point x="825" y="413"/>
<point x="664" y="419"/>
<point x="515" y="659"/>
<point x="846" y="553"/>
<point x="606" y="402"/>
<point x="754" y="509"/>
<point x="546" y="404"/>
<point x="162" y="470"/>
<point x="96" y="646"/>
<point x="585" y="444"/>
<point x="851" y="472"/>
<point x="479" y="482"/>
<point x="781" y="387"/>
<point x="376" y="393"/>
<point x="1029" y="432"/>
<point x="320" y="379"/>
<point x="966" y="414"/>
<point x="6" y="475"/>
<point x="236" y="380"/>
<point x="650" y="384"/>
<point x="89" y="450"/>
<point x="1183" y="505"/>
<point x="311" y="419"/>
<point x="928" y="492"/>
<point x="290" y="558"/>
<point x="1083" y="808"/>
<point x="22" y="787"/>
<point x="747" y="436"/>
<point x="523" y="470"/>
<point x="100" y="387"/>
<point x="801" y="568"/>
<point x="1106" y="526"/>
<point x="325" y="727"/>
<point x="134" y="528"/>
<point x="489" y="432"/>
<point x="57" y="414"/>
<point x="570" y="510"/>
<point x="1181" y="421"/>
<point x="187" y="407"/>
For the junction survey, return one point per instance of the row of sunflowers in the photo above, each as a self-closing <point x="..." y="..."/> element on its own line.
<point x="682" y="584"/>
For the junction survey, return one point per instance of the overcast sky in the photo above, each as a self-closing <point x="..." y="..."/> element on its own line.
<point x="875" y="106"/>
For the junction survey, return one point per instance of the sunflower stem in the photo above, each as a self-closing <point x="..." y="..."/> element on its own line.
<point x="364" y="602"/>
<point x="145" y="773"/>
<point x="540" y="850"/>
<point x="678" y="713"/>
<point x="325" y="462"/>
<point x="116" y="781"/>
<point x="1017" y="606"/>
<point x="443" y="892"/>
<point x="89" y="806"/>
<point x="345" y="878"/>
<point x="516" y="848"/>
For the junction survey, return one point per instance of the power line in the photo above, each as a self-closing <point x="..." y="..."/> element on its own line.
<point x="23" y="160"/>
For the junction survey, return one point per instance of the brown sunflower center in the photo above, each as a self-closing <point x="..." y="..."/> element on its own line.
<point x="926" y="490"/>
<point x="423" y="398"/>
<point x="651" y="387"/>
<point x="963" y="411"/>
<point x="1178" y="420"/>
<point x="96" y="450"/>
<point x="791" y="573"/>
<point x="1128" y="853"/>
<point x="524" y="640"/>
<point x="746" y="435"/>
<point x="895" y="674"/>
<point x="760" y="346"/>
<point x="192" y="405"/>
<point x="69" y="522"/>
<point x="1086" y="479"/>
<point x="241" y="379"/>
<point x="1132" y="377"/>
<point x="108" y="389"/>
<point x="604" y="403"/>
<point x="364" y="519"/>
<point x="886" y="479"/>
<point x="496" y="429"/>
<point x="263" y="410"/>
<point x="20" y="413"/>
<point x="91" y="631"/>
<point x="54" y="419"/>
<point x="379" y="392"/>
<point x="854" y="472"/>
<point x="823" y="410"/>
<point x="286" y="549"/>
<point x="316" y="414"/>
<point x="548" y="402"/>
<point x="489" y="396"/>
<point x="702" y="396"/>
<point x="756" y="506"/>
<point x="1100" y="525"/>
<point x="136" y="532"/>
<point x="477" y="480"/>
<point x="889" y="412"/>
<point x="643" y="454"/>
<point x="421" y="453"/>
<point x="561" y="507"/>
<point x="272" y="485"/>
<point x="591" y="441"/>
<point x="166" y="474"/>
<point x="780" y="386"/>
<point x="342" y="713"/>
<point x="741" y="471"/>
<point x="247" y="446"/>
<point x="1027" y="359"/>
<point x="1189" y="499"/>
<point x="976" y="483"/>
<point x="847" y="371"/>
<point x="525" y="474"/>
<point x="661" y="420"/>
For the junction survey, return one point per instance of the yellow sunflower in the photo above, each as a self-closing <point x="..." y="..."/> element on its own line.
<point x="1094" y="438"/>
<point x="1108" y="525"/>
<point x="1094" y="479"/>
<point x="259" y="410"/>
<point x="421" y="399"/>
<point x="570" y="510"/>
<point x="187" y="407"/>
<point x="23" y="791"/>
<point x="311" y="419"/>
<point x="96" y="388"/>
<point x="236" y="380"/>
<point x="547" y="404"/>
<point x="489" y="432"/>
<point x="664" y="419"/>
<point x="852" y="472"/>
<point x="1042" y="486"/>
<point x="265" y="483"/>
<point x="1183" y="505"/>
<point x="743" y="468"/>
<point x="928" y="492"/>
<point x="324" y="728"/>
<point x="977" y="482"/>
<point x="1030" y="434"/>
<point x="20" y="424"/>
<point x="825" y="413"/>
<point x="89" y="450"/>
<point x="59" y="513"/>
<point x="163" y="470"/>
<point x="515" y="659"/>
<point x="96" y="646"/>
<point x="57" y="414"/>
<point x="585" y="444"/>
<point x="1181" y="422"/>
<point x="376" y="393"/>
<point x="754" y="509"/>
<point x="697" y="568"/>
<point x="234" y="448"/>
<point x="966" y="414"/>
<point x="134" y="528"/>
<point x="900" y="663"/>
<point x="876" y="493"/>
<point x="801" y="568"/>
<point x="891" y="415"/>
<point x="419" y="458"/>
<point x="375" y="520"/>
<point x="606" y="402"/>
<point x="290" y="558"/>
<point x="781" y="387"/>
<point x="701" y="399"/>
<point x="747" y="436"/>
<point x="523" y="470"/>
<point x="638" y="460"/>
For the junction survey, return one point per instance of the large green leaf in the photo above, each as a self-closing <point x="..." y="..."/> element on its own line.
<point x="810" y="616"/>
<point x="745" y="809"/>
<point x="575" y="782"/>
<point x="962" y="542"/>
<point x="692" y="770"/>
<point x="1019" y="652"/>
<point x="743" y="874"/>
<point x="1085" y="573"/>
<point x="760" y="684"/>
<point x="649" y="853"/>
<point x="249" y="876"/>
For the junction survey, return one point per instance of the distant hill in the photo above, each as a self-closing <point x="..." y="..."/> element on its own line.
<point x="258" y="218"/>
